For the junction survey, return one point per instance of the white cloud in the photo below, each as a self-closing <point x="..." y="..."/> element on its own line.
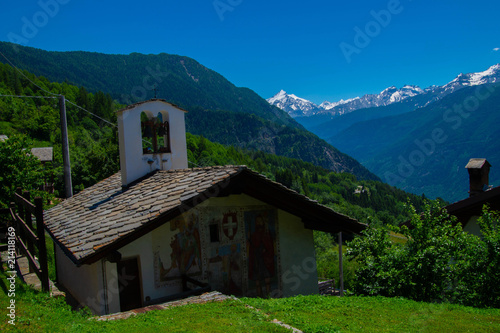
<point x="496" y="49"/>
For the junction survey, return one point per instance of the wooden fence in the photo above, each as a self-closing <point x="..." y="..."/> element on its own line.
<point x="28" y="241"/>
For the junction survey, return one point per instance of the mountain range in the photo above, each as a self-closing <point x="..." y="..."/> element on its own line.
<point x="217" y="109"/>
<point x="300" y="107"/>
<point x="384" y="131"/>
<point x="396" y="128"/>
<point x="425" y="151"/>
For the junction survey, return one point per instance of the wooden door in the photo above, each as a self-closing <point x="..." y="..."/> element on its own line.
<point x="129" y="284"/>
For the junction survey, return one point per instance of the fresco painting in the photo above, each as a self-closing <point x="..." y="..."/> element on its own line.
<point x="261" y="247"/>
<point x="182" y="253"/>
<point x="225" y="269"/>
<point x="233" y="249"/>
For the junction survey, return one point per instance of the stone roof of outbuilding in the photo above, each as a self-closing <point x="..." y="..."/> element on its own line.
<point x="44" y="154"/>
<point x="477" y="163"/>
<point x="106" y="216"/>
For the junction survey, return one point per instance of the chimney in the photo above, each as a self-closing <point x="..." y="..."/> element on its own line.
<point x="152" y="136"/>
<point x="479" y="170"/>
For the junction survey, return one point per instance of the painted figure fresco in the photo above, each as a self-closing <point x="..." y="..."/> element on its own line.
<point x="185" y="250"/>
<point x="261" y="251"/>
<point x="226" y="271"/>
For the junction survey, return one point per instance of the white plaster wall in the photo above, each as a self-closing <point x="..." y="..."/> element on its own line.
<point x="84" y="282"/>
<point x="298" y="259"/>
<point x="133" y="163"/>
<point x="142" y="247"/>
<point x="112" y="288"/>
<point x="298" y="262"/>
<point x="472" y="227"/>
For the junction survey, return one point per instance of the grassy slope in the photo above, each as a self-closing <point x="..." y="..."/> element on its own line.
<point x="36" y="312"/>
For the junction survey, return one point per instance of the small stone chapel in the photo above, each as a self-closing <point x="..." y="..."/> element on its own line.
<point x="158" y="230"/>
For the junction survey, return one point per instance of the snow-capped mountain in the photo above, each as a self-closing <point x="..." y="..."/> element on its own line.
<point x="297" y="106"/>
<point x="491" y="75"/>
<point x="386" y="97"/>
<point x="329" y="105"/>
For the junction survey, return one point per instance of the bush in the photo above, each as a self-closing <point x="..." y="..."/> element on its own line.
<point x="438" y="262"/>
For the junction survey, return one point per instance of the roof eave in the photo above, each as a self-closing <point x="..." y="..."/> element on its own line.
<point x="314" y="215"/>
<point x="213" y="191"/>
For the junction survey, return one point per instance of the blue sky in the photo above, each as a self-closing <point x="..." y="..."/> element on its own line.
<point x="319" y="50"/>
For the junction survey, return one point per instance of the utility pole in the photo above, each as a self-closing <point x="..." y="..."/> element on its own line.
<point x="341" y="266"/>
<point x="65" y="148"/>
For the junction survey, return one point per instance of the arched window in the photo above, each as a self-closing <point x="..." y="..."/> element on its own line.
<point x="155" y="133"/>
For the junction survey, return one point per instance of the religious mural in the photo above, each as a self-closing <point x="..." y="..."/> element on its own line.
<point x="261" y="246"/>
<point x="225" y="262"/>
<point x="234" y="249"/>
<point x="181" y="253"/>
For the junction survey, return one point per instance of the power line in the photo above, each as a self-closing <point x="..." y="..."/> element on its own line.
<point x="55" y="95"/>
<point x="58" y="96"/>
<point x="104" y="120"/>
<point x="19" y="96"/>
<point x="27" y="78"/>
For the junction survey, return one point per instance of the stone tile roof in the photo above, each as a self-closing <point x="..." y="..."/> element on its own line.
<point x="105" y="216"/>
<point x="44" y="154"/>
<point x="105" y="212"/>
<point x="477" y="163"/>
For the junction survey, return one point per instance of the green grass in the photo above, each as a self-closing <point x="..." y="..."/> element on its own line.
<point x="36" y="312"/>
<point x="377" y="314"/>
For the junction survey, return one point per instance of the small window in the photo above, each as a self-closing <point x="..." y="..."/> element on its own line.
<point x="214" y="233"/>
<point x="155" y="134"/>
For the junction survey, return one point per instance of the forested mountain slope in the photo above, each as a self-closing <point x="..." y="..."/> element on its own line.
<point x="426" y="150"/>
<point x="94" y="150"/>
<point x="219" y="110"/>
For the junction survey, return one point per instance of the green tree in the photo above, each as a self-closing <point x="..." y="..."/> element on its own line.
<point x="438" y="261"/>
<point x="19" y="169"/>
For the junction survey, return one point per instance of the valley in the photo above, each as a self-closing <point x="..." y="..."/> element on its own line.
<point x="422" y="142"/>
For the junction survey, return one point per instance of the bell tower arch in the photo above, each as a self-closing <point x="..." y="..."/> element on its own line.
<point x="152" y="136"/>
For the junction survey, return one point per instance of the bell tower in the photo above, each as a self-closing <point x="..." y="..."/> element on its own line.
<point x="152" y="136"/>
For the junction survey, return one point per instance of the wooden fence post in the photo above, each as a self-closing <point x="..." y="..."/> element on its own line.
<point x="29" y="221"/>
<point x="14" y="222"/>
<point x="20" y="212"/>
<point x="42" y="249"/>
